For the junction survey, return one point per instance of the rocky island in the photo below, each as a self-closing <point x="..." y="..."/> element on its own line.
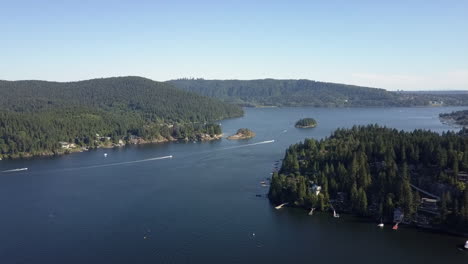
<point x="306" y="123"/>
<point x="242" y="133"/>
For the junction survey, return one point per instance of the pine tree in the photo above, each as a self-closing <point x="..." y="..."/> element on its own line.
<point x="362" y="202"/>
<point x="354" y="197"/>
<point x="406" y="195"/>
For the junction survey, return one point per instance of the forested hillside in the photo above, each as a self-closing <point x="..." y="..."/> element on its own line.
<point x="36" y="115"/>
<point x="271" y="92"/>
<point x="372" y="170"/>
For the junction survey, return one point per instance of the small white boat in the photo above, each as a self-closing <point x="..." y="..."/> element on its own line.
<point x="466" y="244"/>
<point x="280" y="206"/>
<point x="380" y="225"/>
<point x="335" y="214"/>
<point x="105" y="155"/>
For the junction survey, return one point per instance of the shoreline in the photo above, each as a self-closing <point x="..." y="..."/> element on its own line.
<point x="449" y="121"/>
<point x="369" y="219"/>
<point x="134" y="141"/>
<point x="311" y="126"/>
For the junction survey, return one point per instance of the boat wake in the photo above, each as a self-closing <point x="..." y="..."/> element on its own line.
<point x="15" y="170"/>
<point x="249" y="145"/>
<point x="121" y="163"/>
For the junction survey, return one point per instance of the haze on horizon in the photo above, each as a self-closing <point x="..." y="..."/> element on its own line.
<point x="417" y="45"/>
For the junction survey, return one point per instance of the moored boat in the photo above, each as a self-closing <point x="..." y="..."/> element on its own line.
<point x="280" y="206"/>
<point x="463" y="247"/>
<point x="335" y="214"/>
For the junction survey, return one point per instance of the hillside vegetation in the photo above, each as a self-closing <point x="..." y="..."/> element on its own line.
<point x="272" y="92"/>
<point x="36" y="115"/>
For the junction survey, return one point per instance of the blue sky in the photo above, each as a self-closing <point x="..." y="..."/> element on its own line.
<point x="411" y="45"/>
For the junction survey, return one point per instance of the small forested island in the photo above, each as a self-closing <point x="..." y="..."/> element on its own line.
<point x="418" y="178"/>
<point x="458" y="118"/>
<point x="306" y="123"/>
<point x="47" y="118"/>
<point x="242" y="133"/>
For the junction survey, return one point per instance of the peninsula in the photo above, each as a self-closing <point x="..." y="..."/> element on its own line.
<point x="416" y="178"/>
<point x="457" y="118"/>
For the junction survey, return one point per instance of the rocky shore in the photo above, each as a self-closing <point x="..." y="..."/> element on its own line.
<point x="242" y="133"/>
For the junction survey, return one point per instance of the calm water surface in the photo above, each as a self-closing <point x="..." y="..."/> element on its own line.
<point x="199" y="206"/>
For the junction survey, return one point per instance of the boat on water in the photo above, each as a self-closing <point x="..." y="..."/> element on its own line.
<point x="105" y="155"/>
<point x="335" y="214"/>
<point x="280" y="206"/>
<point x="464" y="247"/>
<point x="381" y="224"/>
<point x="395" y="227"/>
<point x="15" y="170"/>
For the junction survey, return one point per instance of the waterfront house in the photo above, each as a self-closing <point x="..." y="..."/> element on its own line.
<point x="463" y="176"/>
<point x="316" y="189"/>
<point x="429" y="204"/>
<point x="67" y="145"/>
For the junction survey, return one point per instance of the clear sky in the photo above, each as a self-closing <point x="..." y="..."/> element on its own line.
<point x="411" y="45"/>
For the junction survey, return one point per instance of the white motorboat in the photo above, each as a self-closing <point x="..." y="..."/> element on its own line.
<point x="335" y="214"/>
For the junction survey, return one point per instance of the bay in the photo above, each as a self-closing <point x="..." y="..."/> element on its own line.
<point x="200" y="205"/>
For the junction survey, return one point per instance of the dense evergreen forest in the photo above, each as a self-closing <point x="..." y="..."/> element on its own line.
<point x="271" y="92"/>
<point x="373" y="170"/>
<point x="36" y="115"/>
<point x="458" y="117"/>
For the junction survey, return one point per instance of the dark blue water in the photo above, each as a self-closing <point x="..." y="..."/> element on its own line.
<point x="200" y="206"/>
